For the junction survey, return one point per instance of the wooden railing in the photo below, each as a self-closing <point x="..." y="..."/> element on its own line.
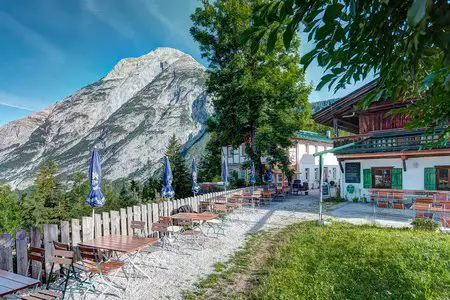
<point x="75" y="231"/>
<point x="395" y="141"/>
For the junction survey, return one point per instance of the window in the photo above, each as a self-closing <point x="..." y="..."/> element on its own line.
<point x="307" y="174"/>
<point x="382" y="177"/>
<point x="442" y="178"/>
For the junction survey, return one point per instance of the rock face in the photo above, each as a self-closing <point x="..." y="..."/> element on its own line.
<point x="129" y="115"/>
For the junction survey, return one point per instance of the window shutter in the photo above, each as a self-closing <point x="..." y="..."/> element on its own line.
<point x="397" y="178"/>
<point x="367" y="178"/>
<point x="430" y="179"/>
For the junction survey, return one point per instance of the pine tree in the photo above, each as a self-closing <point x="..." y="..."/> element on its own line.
<point x="181" y="178"/>
<point x="149" y="190"/>
<point x="12" y="214"/>
<point x="127" y="197"/>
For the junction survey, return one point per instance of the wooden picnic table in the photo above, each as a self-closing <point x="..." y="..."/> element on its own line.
<point x="195" y="216"/>
<point x="119" y="243"/>
<point x="130" y="246"/>
<point x="11" y="283"/>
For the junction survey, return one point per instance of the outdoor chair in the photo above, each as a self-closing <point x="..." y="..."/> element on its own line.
<point x="106" y="271"/>
<point x="65" y="260"/>
<point x="60" y="246"/>
<point x="162" y="231"/>
<point x="139" y="228"/>
<point x="440" y="197"/>
<point x="423" y="210"/>
<point x="190" y="230"/>
<point x="171" y="227"/>
<point x="36" y="255"/>
<point x="218" y="225"/>
<point x="204" y="206"/>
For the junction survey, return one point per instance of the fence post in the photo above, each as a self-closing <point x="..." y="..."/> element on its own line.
<point x="21" y="252"/>
<point x="115" y="222"/>
<point x="35" y="241"/>
<point x="155" y="211"/>
<point x="76" y="237"/>
<point x="144" y="217"/>
<point x="64" y="228"/>
<point x="98" y="225"/>
<point x="123" y="221"/>
<point x="160" y="209"/>
<point x="129" y="219"/>
<point x="86" y="228"/>
<point x="136" y="216"/>
<point x="6" y="262"/>
<point x="105" y="222"/>
<point x="50" y="235"/>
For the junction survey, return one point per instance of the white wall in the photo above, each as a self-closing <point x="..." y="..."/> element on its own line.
<point x="413" y="178"/>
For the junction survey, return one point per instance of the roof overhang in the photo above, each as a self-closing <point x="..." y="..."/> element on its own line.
<point x="396" y="154"/>
<point x="343" y="110"/>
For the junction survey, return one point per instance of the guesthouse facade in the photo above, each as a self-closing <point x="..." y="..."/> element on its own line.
<point x="301" y="154"/>
<point x="380" y="154"/>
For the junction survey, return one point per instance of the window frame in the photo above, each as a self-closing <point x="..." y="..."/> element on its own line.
<point x="438" y="177"/>
<point x="373" y="177"/>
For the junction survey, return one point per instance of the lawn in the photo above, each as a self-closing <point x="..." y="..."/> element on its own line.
<point x="339" y="261"/>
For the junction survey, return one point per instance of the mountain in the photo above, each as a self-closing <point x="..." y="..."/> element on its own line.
<point x="129" y="115"/>
<point x="319" y="105"/>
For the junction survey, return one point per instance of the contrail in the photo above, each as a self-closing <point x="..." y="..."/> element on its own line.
<point x="16" y="106"/>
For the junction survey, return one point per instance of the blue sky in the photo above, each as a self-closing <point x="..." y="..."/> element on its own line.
<point x="51" y="48"/>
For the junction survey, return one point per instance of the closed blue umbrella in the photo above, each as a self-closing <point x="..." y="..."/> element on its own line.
<point x="95" y="198"/>
<point x="225" y="173"/>
<point x="253" y="177"/>
<point x="195" y="186"/>
<point x="167" y="191"/>
<point x="269" y="178"/>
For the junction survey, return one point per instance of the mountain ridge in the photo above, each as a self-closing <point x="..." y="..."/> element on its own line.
<point x="139" y="103"/>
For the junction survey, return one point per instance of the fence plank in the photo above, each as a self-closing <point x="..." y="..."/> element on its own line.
<point x="115" y="222"/>
<point x="129" y="219"/>
<point x="87" y="232"/>
<point x="170" y="207"/>
<point x="105" y="223"/>
<point x="155" y="211"/>
<point x="160" y="209"/>
<point x="21" y="252"/>
<point x="150" y="217"/>
<point x="76" y="236"/>
<point x="6" y="261"/>
<point x="65" y="229"/>
<point x="137" y="217"/>
<point x="35" y="241"/>
<point x="98" y="225"/>
<point x="144" y="218"/>
<point x="50" y="235"/>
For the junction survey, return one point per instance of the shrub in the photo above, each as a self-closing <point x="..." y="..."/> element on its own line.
<point x="355" y="199"/>
<point x="336" y="199"/>
<point x="424" y="224"/>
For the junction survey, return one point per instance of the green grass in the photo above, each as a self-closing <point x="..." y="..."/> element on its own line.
<point x="339" y="261"/>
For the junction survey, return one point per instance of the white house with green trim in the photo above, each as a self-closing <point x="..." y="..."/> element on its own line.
<point x="381" y="155"/>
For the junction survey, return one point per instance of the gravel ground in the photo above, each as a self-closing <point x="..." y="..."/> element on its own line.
<point x="180" y="270"/>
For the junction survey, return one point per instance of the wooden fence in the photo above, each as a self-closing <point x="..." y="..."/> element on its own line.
<point x="75" y="231"/>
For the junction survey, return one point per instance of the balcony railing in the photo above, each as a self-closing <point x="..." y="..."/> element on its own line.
<point x="388" y="142"/>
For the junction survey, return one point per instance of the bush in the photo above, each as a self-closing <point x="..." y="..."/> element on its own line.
<point x="424" y="224"/>
<point x="336" y="199"/>
<point x="355" y="199"/>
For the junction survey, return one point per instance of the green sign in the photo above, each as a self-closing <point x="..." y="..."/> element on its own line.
<point x="325" y="189"/>
<point x="350" y="188"/>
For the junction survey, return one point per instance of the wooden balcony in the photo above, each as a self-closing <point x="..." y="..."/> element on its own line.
<point x="390" y="142"/>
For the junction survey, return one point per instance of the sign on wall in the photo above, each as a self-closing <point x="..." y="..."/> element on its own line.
<point x="353" y="172"/>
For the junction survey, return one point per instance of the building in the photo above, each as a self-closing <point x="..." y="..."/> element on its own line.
<point x="381" y="155"/>
<point x="304" y="164"/>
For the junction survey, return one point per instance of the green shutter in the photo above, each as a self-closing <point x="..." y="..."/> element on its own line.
<point x="397" y="178"/>
<point x="367" y="176"/>
<point x="430" y="179"/>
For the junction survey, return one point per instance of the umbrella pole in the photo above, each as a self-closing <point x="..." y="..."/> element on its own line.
<point x="93" y="222"/>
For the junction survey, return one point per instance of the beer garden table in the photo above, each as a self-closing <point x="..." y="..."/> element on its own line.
<point x="123" y="244"/>
<point x="11" y="283"/>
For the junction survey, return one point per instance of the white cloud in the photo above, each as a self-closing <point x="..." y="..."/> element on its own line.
<point x="31" y="38"/>
<point x="106" y="12"/>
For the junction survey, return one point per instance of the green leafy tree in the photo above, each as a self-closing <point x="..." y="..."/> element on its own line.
<point x="77" y="195"/>
<point x="150" y="190"/>
<point x="181" y="178"/>
<point x="210" y="163"/>
<point x="127" y="197"/>
<point x="46" y="202"/>
<point x="259" y="98"/>
<point x="12" y="214"/>
<point x="406" y="43"/>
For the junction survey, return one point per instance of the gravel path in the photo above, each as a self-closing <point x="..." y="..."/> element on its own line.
<point x="182" y="270"/>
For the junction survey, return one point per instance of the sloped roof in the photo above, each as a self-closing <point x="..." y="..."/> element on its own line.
<point x="312" y="136"/>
